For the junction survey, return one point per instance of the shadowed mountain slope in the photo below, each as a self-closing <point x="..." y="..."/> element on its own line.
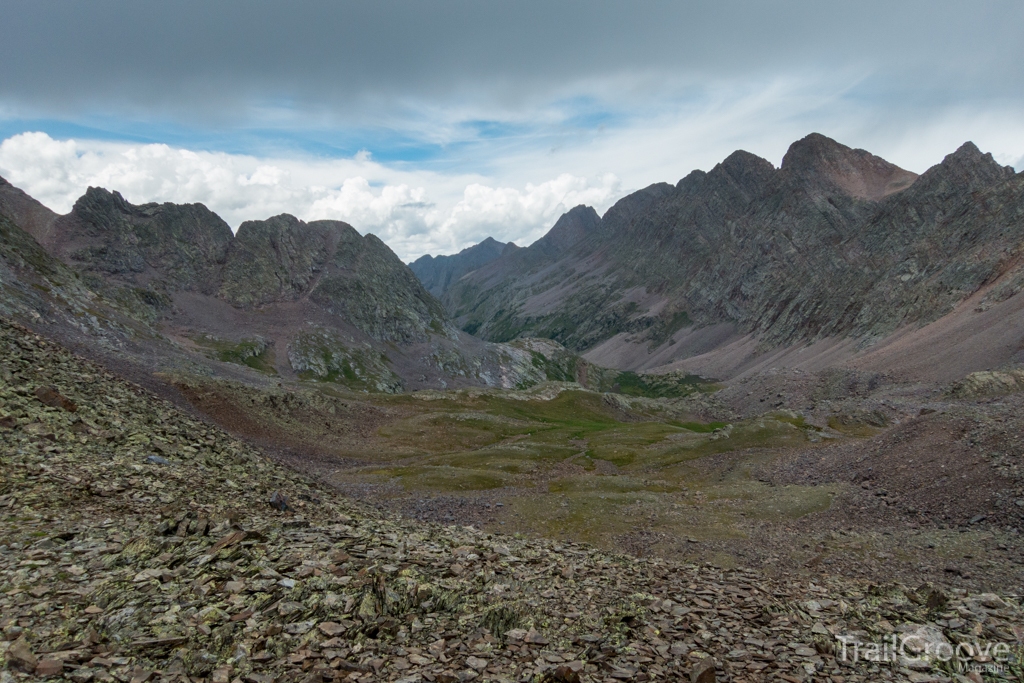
<point x="437" y="273"/>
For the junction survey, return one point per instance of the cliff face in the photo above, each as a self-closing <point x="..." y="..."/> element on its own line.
<point x="278" y="259"/>
<point x="836" y="242"/>
<point x="369" y="285"/>
<point x="438" y="273"/>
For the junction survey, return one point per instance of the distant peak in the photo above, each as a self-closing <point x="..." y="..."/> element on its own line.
<point x="573" y="226"/>
<point x="821" y="163"/>
<point x="744" y="159"/>
<point x="968" y="168"/>
<point x="809" y="152"/>
<point x="284" y="218"/>
<point x="968" y="154"/>
<point x="581" y="211"/>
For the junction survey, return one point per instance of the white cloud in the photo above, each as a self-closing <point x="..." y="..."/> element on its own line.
<point x="513" y="180"/>
<point x="415" y="212"/>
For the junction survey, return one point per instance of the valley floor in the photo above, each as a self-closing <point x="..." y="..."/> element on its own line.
<point x="906" y="485"/>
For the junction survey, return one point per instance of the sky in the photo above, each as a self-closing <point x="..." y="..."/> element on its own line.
<point x="434" y="124"/>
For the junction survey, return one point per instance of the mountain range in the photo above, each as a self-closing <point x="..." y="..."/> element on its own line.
<point x="837" y="257"/>
<point x="831" y="258"/>
<point x="170" y="286"/>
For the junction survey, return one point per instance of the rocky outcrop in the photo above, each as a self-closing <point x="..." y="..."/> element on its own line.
<point x="368" y="285"/>
<point x="358" y="278"/>
<point x="324" y="355"/>
<point x="837" y="242"/>
<point x="174" y="246"/>
<point x="988" y="383"/>
<point x="437" y="273"/>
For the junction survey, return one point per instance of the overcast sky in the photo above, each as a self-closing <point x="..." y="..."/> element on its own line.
<point x="436" y="124"/>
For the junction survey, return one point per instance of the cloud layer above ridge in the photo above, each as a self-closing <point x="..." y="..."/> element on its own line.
<point x="394" y="205"/>
<point x="435" y="125"/>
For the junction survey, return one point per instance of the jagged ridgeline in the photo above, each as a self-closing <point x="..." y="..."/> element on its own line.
<point x="262" y="298"/>
<point x="835" y="243"/>
<point x="156" y="250"/>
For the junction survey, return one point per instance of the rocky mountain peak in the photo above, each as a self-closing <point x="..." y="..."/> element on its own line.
<point x="98" y="200"/>
<point x="692" y="180"/>
<point x="573" y="226"/>
<point x="276" y="259"/>
<point x="622" y="213"/>
<point x="824" y="165"/>
<point x="180" y="245"/>
<point x="745" y="171"/>
<point x="741" y="164"/>
<point x="967" y="169"/>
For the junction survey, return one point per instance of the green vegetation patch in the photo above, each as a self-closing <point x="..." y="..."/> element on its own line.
<point x="256" y="353"/>
<point x="446" y="478"/>
<point x="667" y="385"/>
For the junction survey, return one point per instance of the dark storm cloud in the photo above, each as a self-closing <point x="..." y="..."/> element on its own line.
<point x="195" y="58"/>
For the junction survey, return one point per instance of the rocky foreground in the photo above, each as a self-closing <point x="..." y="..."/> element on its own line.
<point x="140" y="544"/>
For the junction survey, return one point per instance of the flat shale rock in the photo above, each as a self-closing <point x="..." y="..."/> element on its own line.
<point x="113" y="568"/>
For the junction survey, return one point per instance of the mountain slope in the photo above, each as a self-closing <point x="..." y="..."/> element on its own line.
<point x="162" y="246"/>
<point x="283" y="259"/>
<point x="24" y="211"/>
<point x="437" y="273"/>
<point x="834" y="243"/>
